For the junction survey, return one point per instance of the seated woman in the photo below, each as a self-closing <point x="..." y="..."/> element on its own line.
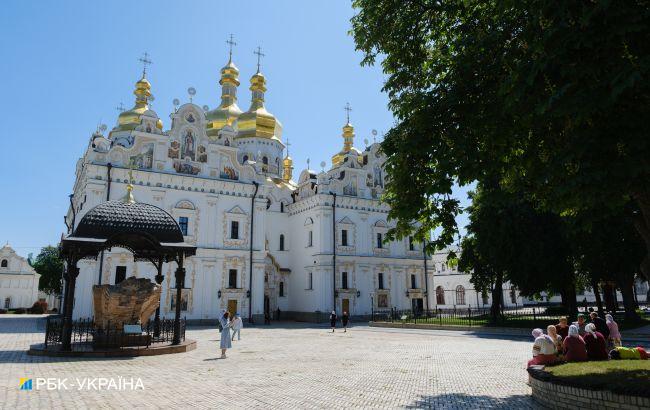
<point x="595" y="343"/>
<point x="562" y="327"/>
<point x="574" y="346"/>
<point x="543" y="349"/>
<point x="614" y="339"/>
<point x="551" y="331"/>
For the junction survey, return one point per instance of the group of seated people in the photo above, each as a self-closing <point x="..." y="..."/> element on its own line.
<point x="581" y="341"/>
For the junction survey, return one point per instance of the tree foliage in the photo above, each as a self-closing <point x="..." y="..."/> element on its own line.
<point x="553" y="97"/>
<point x="49" y="265"/>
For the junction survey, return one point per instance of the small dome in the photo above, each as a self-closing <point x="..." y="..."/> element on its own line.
<point x="113" y="218"/>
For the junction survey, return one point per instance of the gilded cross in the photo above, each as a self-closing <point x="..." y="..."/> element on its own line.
<point x="287" y="145"/>
<point x="231" y="43"/>
<point x="145" y="62"/>
<point x="347" y="108"/>
<point x="259" y="54"/>
<point x="120" y="107"/>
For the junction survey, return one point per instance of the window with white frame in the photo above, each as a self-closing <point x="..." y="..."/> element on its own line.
<point x="310" y="280"/>
<point x="310" y="238"/>
<point x="234" y="229"/>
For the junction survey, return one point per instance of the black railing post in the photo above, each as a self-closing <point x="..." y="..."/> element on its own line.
<point x="534" y="315"/>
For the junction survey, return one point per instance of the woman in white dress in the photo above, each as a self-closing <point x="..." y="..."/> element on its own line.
<point x="225" y="333"/>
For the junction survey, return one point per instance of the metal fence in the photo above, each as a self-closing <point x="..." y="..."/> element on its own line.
<point x="86" y="334"/>
<point x="470" y="317"/>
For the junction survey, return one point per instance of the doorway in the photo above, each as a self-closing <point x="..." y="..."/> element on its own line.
<point x="232" y="307"/>
<point x="345" y="306"/>
<point x="417" y="304"/>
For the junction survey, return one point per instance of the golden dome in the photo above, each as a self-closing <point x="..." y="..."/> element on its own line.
<point x="287" y="165"/>
<point x="348" y="140"/>
<point x="130" y="119"/>
<point x="228" y="111"/>
<point x="257" y="121"/>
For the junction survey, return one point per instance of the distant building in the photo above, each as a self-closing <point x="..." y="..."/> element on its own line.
<point x="452" y="288"/>
<point x="18" y="280"/>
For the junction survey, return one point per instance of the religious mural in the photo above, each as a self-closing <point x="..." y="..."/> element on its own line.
<point x="186" y="167"/>
<point x="350" y="188"/>
<point x="187" y="145"/>
<point x="227" y="170"/>
<point x="144" y="160"/>
<point x="174" y="149"/>
<point x="202" y="154"/>
<point x="379" y="180"/>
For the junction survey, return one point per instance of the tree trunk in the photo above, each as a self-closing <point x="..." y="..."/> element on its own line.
<point x="627" y="291"/>
<point x="599" y="301"/>
<point x="642" y="225"/>
<point x="569" y="301"/>
<point x="609" y="293"/>
<point x="497" y="296"/>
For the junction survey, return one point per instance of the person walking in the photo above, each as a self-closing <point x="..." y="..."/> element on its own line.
<point x="225" y="333"/>
<point x="344" y="320"/>
<point x="237" y="325"/>
<point x="333" y="318"/>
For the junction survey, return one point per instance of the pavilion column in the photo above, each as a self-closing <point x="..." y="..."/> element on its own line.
<point x="159" y="280"/>
<point x="180" y="276"/>
<point x="72" y="272"/>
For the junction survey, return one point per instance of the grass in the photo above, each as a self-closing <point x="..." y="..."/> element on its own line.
<point x="618" y="376"/>
<point x="514" y="322"/>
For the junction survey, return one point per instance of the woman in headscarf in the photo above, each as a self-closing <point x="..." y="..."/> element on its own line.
<point x="614" y="339"/>
<point x="543" y="349"/>
<point x="574" y="346"/>
<point x="562" y="327"/>
<point x="333" y="320"/>
<point x="225" y="333"/>
<point x="551" y="331"/>
<point x="595" y="343"/>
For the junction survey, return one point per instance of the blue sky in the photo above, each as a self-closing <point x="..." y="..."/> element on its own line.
<point x="68" y="64"/>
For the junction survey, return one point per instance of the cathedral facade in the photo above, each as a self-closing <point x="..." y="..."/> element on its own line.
<point x="266" y="241"/>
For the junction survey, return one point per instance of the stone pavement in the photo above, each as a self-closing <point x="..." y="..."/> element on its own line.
<point x="286" y="365"/>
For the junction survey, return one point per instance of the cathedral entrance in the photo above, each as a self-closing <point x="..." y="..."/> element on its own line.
<point x="345" y="306"/>
<point x="232" y="307"/>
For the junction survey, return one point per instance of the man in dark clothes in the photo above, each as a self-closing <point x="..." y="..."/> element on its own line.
<point x="601" y="325"/>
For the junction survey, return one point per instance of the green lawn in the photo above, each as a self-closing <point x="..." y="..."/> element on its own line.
<point x="618" y="376"/>
<point x="522" y="322"/>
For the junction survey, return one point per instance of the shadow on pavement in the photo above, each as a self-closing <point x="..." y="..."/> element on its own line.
<point x="465" y="401"/>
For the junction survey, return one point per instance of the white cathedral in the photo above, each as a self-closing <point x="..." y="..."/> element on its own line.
<point x="315" y="244"/>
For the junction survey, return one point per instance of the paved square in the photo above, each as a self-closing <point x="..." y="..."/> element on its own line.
<point x="287" y="366"/>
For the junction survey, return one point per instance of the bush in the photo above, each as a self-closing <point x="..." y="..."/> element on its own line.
<point x="20" y="311"/>
<point x="39" y="307"/>
<point x="3" y="311"/>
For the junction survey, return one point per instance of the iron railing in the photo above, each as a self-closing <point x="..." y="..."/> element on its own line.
<point x="86" y="334"/>
<point x="472" y="316"/>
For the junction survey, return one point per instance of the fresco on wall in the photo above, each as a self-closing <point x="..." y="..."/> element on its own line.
<point x="174" y="149"/>
<point x="186" y="167"/>
<point x="379" y="180"/>
<point x="144" y="160"/>
<point x="227" y="170"/>
<point x="350" y="188"/>
<point x="202" y="154"/>
<point x="187" y="146"/>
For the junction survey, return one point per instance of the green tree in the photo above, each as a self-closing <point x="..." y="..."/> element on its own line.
<point x="49" y="265"/>
<point x="610" y="249"/>
<point x="553" y="96"/>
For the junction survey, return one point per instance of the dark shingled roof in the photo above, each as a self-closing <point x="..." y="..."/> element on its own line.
<point x="112" y="218"/>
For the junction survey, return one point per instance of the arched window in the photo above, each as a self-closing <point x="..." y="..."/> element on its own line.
<point x="281" y="242"/>
<point x="513" y="296"/>
<point x="460" y="295"/>
<point x="4" y="264"/>
<point x="244" y="159"/>
<point x="265" y="160"/>
<point x="440" y="295"/>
